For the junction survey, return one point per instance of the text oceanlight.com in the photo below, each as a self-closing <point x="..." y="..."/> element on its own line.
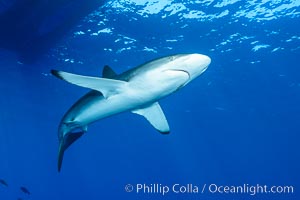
<point x="177" y="188"/>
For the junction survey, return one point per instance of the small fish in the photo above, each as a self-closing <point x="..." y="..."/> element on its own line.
<point x="3" y="182"/>
<point x="25" y="190"/>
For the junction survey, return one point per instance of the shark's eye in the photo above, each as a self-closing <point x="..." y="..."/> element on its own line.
<point x="171" y="58"/>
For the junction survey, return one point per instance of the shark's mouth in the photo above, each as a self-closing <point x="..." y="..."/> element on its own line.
<point x="187" y="74"/>
<point x="181" y="70"/>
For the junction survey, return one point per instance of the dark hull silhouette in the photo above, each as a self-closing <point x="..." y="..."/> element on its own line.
<point x="32" y="27"/>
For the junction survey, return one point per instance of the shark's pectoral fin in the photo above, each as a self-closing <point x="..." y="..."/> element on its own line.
<point x="155" y="116"/>
<point x="106" y="86"/>
<point x="65" y="143"/>
<point x="108" y="72"/>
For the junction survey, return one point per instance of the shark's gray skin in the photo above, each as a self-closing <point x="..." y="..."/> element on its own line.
<point x="137" y="90"/>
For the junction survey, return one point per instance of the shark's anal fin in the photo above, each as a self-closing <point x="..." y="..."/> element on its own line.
<point x="64" y="144"/>
<point x="106" y="86"/>
<point x="155" y="116"/>
<point x="108" y="72"/>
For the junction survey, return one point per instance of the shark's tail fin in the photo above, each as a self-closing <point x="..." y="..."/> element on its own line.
<point x="64" y="144"/>
<point x="61" y="152"/>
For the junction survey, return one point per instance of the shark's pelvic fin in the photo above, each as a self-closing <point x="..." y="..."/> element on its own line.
<point x="155" y="116"/>
<point x="106" y="86"/>
<point x="108" y="72"/>
<point x="65" y="143"/>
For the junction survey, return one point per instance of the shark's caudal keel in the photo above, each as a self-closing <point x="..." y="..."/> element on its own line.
<point x="137" y="90"/>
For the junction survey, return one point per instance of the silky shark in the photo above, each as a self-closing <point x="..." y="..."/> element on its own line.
<point x="137" y="90"/>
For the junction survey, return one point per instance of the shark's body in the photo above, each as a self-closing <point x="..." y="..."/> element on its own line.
<point x="137" y="90"/>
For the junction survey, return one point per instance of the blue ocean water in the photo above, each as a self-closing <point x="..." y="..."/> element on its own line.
<point x="235" y="125"/>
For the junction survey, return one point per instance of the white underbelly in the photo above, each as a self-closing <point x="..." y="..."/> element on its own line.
<point x="139" y="93"/>
<point x="106" y="107"/>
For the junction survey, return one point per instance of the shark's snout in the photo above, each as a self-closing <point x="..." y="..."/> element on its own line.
<point x="200" y="58"/>
<point x="196" y="64"/>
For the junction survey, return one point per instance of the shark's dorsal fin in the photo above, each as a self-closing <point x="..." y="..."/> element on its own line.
<point x="108" y="72"/>
<point x="106" y="86"/>
<point x="155" y="116"/>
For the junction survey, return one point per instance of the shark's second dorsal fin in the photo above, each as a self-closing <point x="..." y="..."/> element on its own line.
<point x="108" y="72"/>
<point x="155" y="116"/>
<point x="106" y="86"/>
